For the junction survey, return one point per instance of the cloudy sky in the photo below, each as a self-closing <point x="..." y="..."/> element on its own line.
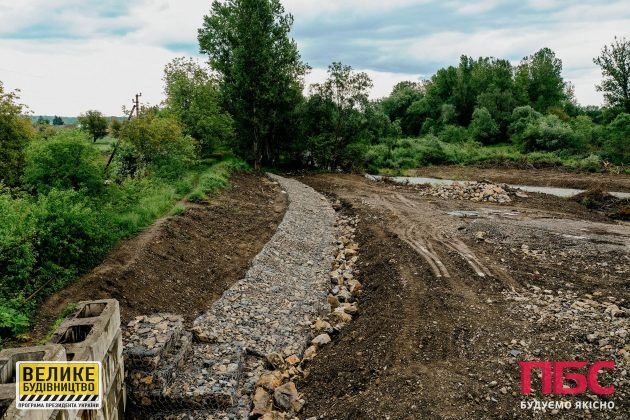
<point x="68" y="56"/>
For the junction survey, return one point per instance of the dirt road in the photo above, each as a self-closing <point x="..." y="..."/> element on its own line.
<point x="452" y="304"/>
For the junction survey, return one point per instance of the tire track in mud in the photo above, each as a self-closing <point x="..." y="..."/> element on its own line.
<point x="410" y="230"/>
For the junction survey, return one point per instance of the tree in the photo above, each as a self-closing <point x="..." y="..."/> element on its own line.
<point x="260" y="71"/>
<point x="342" y="99"/>
<point x="114" y="127"/>
<point x="402" y="97"/>
<point x="57" y="120"/>
<point x="65" y="161"/>
<point x="192" y="97"/>
<point x="615" y="63"/>
<point x="43" y="121"/>
<point x="483" y="127"/>
<point x="618" y="143"/>
<point x="539" y="81"/>
<point x="16" y="132"/>
<point x="94" y="123"/>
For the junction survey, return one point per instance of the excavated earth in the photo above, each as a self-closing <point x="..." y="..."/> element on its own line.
<point x="457" y="292"/>
<point x="182" y="264"/>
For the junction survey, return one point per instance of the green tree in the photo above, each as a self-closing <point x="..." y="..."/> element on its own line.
<point x="114" y="127"/>
<point x="65" y="161"/>
<point x="539" y="81"/>
<point x="396" y="105"/>
<point x="43" y="121"/>
<point x="618" y="142"/>
<point x="549" y="133"/>
<point x="57" y="120"/>
<point x="192" y="97"/>
<point x="152" y="143"/>
<point x="342" y="99"/>
<point x="260" y="71"/>
<point x="615" y="64"/>
<point x="483" y="127"/>
<point x="16" y="132"/>
<point x="94" y="123"/>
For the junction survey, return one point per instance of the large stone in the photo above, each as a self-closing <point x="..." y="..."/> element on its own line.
<point x="287" y="397"/>
<point x="321" y="340"/>
<point x="262" y="403"/>
<point x="270" y="380"/>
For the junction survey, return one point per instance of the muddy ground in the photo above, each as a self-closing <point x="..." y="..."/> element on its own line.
<point x="452" y="304"/>
<point x="182" y="264"/>
<point x="550" y="177"/>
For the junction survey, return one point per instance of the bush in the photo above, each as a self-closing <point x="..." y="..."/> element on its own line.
<point x="17" y="251"/>
<point x="483" y="127"/>
<point x="66" y="161"/>
<point x="617" y="147"/>
<point x="71" y="234"/>
<point x="548" y="133"/>
<point x="157" y="145"/>
<point x="454" y="134"/>
<point x="522" y="117"/>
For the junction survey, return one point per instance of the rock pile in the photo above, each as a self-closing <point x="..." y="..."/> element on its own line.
<point x="483" y="191"/>
<point x="276" y="396"/>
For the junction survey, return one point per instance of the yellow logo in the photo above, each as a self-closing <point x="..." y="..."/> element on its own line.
<point x="58" y="385"/>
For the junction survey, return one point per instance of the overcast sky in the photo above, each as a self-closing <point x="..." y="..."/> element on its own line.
<point x="68" y="56"/>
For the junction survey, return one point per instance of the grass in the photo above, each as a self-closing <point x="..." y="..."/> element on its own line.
<point x="62" y="316"/>
<point x="105" y="144"/>
<point x="403" y="154"/>
<point x="69" y="233"/>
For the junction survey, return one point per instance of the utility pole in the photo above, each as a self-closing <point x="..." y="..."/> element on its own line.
<point x="136" y="108"/>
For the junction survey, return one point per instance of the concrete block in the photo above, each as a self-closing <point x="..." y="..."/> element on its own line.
<point x="8" y="361"/>
<point x="88" y="333"/>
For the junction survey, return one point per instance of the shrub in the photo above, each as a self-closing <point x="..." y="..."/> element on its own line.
<point x="548" y="134"/>
<point x="66" y="161"/>
<point x="454" y="134"/>
<point x="12" y="322"/>
<point x="70" y="232"/>
<point x="617" y="147"/>
<point x="483" y="127"/>
<point x="17" y="252"/>
<point x="522" y="117"/>
<point x="156" y="144"/>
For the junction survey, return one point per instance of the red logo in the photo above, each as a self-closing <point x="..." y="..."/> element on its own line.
<point x="554" y="375"/>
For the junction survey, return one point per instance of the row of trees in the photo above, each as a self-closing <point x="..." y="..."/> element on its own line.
<point x="260" y="79"/>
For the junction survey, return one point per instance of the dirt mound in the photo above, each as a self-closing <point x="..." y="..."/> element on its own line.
<point x="182" y="264"/>
<point x="598" y="200"/>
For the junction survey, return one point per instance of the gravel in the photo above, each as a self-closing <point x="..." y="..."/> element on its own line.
<point x="269" y="311"/>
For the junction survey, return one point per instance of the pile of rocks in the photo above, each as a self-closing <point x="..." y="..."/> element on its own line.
<point x="276" y="395"/>
<point x="483" y="191"/>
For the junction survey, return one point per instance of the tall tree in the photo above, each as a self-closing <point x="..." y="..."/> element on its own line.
<point x="260" y="71"/>
<point x="192" y="97"/>
<point x="57" y="120"/>
<point x="339" y="105"/>
<point x="539" y="81"/>
<point x="94" y="123"/>
<point x="615" y="64"/>
<point x="15" y="133"/>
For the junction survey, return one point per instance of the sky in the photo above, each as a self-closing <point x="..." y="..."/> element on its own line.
<point x="68" y="56"/>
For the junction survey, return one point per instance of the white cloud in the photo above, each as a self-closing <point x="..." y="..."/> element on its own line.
<point x="475" y="7"/>
<point x="69" y="78"/>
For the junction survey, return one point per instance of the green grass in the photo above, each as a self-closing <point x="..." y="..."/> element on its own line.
<point x="404" y="154"/>
<point x="105" y="144"/>
<point x="62" y="316"/>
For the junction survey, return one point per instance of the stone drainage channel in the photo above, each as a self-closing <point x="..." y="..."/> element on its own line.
<point x="242" y="356"/>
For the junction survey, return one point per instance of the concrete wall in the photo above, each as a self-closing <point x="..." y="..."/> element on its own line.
<point x="91" y="333"/>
